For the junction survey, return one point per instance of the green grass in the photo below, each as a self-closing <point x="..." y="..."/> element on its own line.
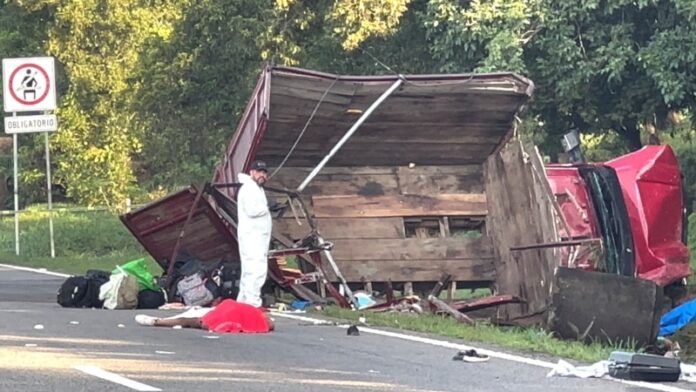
<point x="83" y="240"/>
<point x="533" y="340"/>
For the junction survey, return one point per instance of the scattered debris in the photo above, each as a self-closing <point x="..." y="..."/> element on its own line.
<point x="470" y="355"/>
<point x="643" y="367"/>
<point x="442" y="306"/>
<point x="364" y="299"/>
<point x="353" y="331"/>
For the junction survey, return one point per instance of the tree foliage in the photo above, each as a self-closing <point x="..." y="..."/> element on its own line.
<point x="153" y="89"/>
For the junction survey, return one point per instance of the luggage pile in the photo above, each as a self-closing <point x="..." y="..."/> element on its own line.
<point x="132" y="286"/>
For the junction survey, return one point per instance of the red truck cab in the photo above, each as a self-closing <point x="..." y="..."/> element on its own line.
<point x="635" y="205"/>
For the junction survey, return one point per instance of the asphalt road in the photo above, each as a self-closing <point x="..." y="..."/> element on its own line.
<point x="75" y="343"/>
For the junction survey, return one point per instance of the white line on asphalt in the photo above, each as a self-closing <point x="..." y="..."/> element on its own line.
<point x="490" y="353"/>
<point x="115" y="378"/>
<point x="37" y="270"/>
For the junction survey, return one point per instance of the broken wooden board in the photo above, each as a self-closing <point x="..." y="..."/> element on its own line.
<point x="478" y="270"/>
<point x="379" y="181"/>
<point x="352" y="206"/>
<point x="413" y="249"/>
<point x="340" y="228"/>
<point x="520" y="212"/>
<point x="593" y="306"/>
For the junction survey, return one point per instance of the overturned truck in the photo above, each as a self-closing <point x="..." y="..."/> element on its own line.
<point x="390" y="181"/>
<point x="402" y="201"/>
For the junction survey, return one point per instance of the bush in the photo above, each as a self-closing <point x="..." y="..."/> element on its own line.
<point x="83" y="233"/>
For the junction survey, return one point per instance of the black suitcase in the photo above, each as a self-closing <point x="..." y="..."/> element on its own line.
<point x="643" y="367"/>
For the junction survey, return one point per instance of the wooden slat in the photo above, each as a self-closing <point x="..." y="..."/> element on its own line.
<point x="524" y="216"/>
<point x="434" y="180"/>
<point x="351" y="206"/>
<point x="412" y="249"/>
<point x="386" y="180"/>
<point x="339" y="184"/>
<point x="339" y="228"/>
<point x="415" y="271"/>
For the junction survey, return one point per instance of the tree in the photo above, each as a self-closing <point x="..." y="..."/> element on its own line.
<point x="613" y="65"/>
<point x="98" y="42"/>
<point x="194" y="85"/>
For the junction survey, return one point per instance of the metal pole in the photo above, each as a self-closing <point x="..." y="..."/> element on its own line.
<point x="350" y="133"/>
<point x="50" y="197"/>
<point x="15" y="190"/>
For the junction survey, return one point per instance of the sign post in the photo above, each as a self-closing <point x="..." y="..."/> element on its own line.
<point x="29" y="85"/>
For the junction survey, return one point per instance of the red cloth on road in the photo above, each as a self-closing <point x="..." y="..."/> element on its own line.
<point x="235" y="317"/>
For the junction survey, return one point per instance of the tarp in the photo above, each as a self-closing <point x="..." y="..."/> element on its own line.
<point x="677" y="318"/>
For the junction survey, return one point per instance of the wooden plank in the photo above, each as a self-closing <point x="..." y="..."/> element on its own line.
<point x="408" y="288"/>
<point x="415" y="271"/>
<point x="339" y="228"/>
<point x="339" y="184"/>
<point x="366" y="181"/>
<point x="347" y="206"/>
<point x="412" y="249"/>
<point x="522" y="216"/>
<point x="433" y="181"/>
<point x="442" y="306"/>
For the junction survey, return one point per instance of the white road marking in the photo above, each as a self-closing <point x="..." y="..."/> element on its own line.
<point x="115" y="378"/>
<point x="462" y="347"/>
<point x="434" y="342"/>
<point x="37" y="270"/>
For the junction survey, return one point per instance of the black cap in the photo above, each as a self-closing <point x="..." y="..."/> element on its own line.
<point x="259" y="165"/>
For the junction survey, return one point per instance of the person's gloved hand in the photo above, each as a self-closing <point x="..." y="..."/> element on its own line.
<point x="274" y="206"/>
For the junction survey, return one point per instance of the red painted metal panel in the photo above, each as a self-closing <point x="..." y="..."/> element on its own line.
<point x="652" y="188"/>
<point x="241" y="150"/>
<point x="158" y="225"/>
<point x="573" y="198"/>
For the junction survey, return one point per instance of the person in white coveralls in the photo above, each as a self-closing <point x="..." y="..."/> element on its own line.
<point x="253" y="233"/>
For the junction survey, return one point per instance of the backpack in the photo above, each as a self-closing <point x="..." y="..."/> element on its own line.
<point x="193" y="291"/>
<point x="227" y="275"/>
<point x="81" y="291"/>
<point x="150" y="299"/>
<point x="72" y="292"/>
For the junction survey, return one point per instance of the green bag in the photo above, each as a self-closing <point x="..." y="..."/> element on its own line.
<point x="138" y="269"/>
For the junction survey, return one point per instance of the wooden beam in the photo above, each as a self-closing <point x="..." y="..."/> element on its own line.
<point x="403" y="205"/>
<point x="341" y="228"/>
<point x="442" y="306"/>
<point x="410" y="249"/>
<point x="479" y="270"/>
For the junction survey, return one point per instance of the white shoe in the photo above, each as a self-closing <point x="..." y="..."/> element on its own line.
<point x="143" y="319"/>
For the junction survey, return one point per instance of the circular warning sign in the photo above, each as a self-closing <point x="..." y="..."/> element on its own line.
<point x="28" y="84"/>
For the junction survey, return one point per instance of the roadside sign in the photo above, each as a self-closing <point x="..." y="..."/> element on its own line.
<point x="29" y="84"/>
<point x="27" y="124"/>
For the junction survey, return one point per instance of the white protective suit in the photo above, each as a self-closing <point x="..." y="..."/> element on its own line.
<point x="254" y="235"/>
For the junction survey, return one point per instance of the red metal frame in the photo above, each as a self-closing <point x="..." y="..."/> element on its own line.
<point x="286" y="279"/>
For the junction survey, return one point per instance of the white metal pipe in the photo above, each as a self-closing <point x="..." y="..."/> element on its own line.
<point x="50" y="197"/>
<point x="350" y="133"/>
<point x="15" y="190"/>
